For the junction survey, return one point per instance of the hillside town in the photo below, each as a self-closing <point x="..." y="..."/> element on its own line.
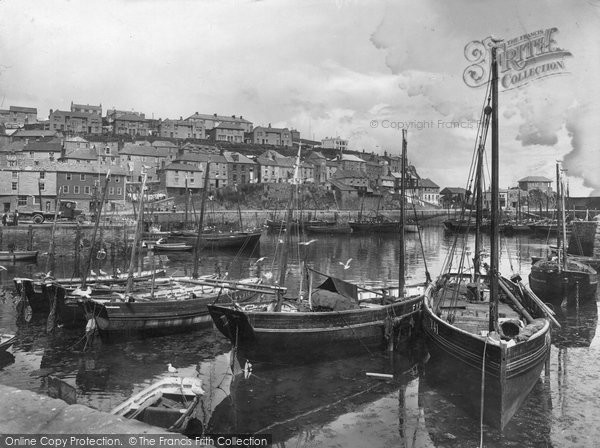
<point x="71" y="150"/>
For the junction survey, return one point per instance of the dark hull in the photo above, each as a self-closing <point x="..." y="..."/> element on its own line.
<point x="377" y="227"/>
<point x="235" y="240"/>
<point x="457" y="225"/>
<point x="578" y="283"/>
<point x="328" y="229"/>
<point x="268" y="335"/>
<point x="510" y="371"/>
<point x="18" y="255"/>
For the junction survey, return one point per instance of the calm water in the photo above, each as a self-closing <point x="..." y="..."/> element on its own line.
<point x="327" y="404"/>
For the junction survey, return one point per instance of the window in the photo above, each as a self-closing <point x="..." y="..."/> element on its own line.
<point x="36" y="200"/>
<point x="119" y="191"/>
<point x="76" y="189"/>
<point x="14" y="186"/>
<point x="111" y="190"/>
<point x="117" y="180"/>
<point x="82" y="177"/>
<point x="86" y="189"/>
<point x="65" y="188"/>
<point x="68" y="176"/>
<point x="15" y="174"/>
<point x="42" y="186"/>
<point x="42" y="174"/>
<point x="22" y="200"/>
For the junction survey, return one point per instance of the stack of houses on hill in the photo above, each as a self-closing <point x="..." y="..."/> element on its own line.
<point x="73" y="150"/>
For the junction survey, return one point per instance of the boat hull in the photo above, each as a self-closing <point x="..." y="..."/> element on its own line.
<point x="236" y="240"/>
<point x="307" y="336"/>
<point x="377" y="227"/>
<point x="575" y="284"/>
<point x="18" y="255"/>
<point x="510" y="371"/>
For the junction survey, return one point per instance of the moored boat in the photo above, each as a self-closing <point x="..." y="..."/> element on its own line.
<point x="170" y="403"/>
<point x="490" y="334"/>
<point x="6" y="340"/>
<point x="18" y="255"/>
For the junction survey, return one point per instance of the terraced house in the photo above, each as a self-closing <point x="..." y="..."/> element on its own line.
<point x="75" y="122"/>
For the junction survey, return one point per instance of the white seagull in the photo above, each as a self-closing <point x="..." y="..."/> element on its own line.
<point x="171" y="369"/>
<point x="102" y="272"/>
<point x="347" y="264"/>
<point x="259" y="260"/>
<point x="306" y="243"/>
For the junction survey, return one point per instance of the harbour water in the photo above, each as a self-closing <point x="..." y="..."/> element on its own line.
<point x="332" y="403"/>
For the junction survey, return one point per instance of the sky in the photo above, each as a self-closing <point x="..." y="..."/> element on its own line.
<point x="361" y="70"/>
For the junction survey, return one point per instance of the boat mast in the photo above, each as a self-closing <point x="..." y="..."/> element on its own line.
<point x="559" y="223"/>
<point x="288" y="234"/>
<point x="478" y="212"/>
<point x="564" y="225"/>
<point x="201" y="222"/>
<point x="494" y="255"/>
<point x="402" y="199"/>
<point x="137" y="237"/>
<point x="96" y="224"/>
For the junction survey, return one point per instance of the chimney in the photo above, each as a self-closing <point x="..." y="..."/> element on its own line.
<point x="233" y="116"/>
<point x="215" y="115"/>
<point x="241" y="117"/>
<point x="269" y="124"/>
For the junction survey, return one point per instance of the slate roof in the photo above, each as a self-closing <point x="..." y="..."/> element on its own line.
<point x="535" y="179"/>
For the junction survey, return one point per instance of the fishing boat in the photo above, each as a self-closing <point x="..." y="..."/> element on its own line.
<point x="341" y="228"/>
<point x="378" y="224"/>
<point x="242" y="240"/>
<point x="560" y="278"/>
<point x="342" y="320"/>
<point x="163" y="246"/>
<point x="6" y="340"/>
<point x="18" y="255"/>
<point x="165" y="311"/>
<point x="490" y="335"/>
<point x="170" y="403"/>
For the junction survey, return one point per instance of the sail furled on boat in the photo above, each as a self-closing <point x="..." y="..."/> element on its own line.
<point x="335" y="294"/>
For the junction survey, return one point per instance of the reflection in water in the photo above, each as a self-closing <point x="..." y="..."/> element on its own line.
<point x="330" y="404"/>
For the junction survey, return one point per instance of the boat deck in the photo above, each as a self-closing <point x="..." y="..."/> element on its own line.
<point x="468" y="315"/>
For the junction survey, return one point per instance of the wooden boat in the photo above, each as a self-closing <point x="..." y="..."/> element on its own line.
<point x="164" y="312"/>
<point x="494" y="342"/>
<point x="6" y="340"/>
<point x="457" y="225"/>
<point x="36" y="293"/>
<point x="171" y="247"/>
<point x="337" y="319"/>
<point x="380" y="225"/>
<point x="329" y="229"/>
<point x="227" y="240"/>
<point x="170" y="403"/>
<point x="18" y="255"/>
<point x="560" y="278"/>
<point x="569" y="281"/>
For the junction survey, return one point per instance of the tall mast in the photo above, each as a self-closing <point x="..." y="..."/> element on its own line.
<point x="564" y="225"/>
<point x="494" y="254"/>
<point x="201" y="222"/>
<point x="88" y="264"/>
<point x="402" y="199"/>
<point x="288" y="234"/>
<point x="558" y="218"/>
<point x="138" y="232"/>
<point x="478" y="211"/>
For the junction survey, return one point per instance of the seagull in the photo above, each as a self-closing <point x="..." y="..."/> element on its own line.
<point x="118" y="271"/>
<point x="171" y="369"/>
<point x="259" y="260"/>
<point x="93" y="273"/>
<point x="102" y="272"/>
<point x="280" y="241"/>
<point x="197" y="388"/>
<point x="306" y="243"/>
<point x="347" y="264"/>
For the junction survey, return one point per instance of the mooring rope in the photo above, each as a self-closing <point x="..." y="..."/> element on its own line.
<point x="482" y="393"/>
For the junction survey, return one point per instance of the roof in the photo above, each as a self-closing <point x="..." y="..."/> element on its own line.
<point x="26" y="133"/>
<point x="279" y="161"/>
<point x="164" y="144"/>
<point x="66" y="167"/>
<point x="535" y="179"/>
<point x="141" y="150"/>
<point x="86" y="106"/>
<point x="182" y="167"/>
<point x="13" y="147"/>
<point x="82" y="154"/>
<point x="198" y="116"/>
<point x="43" y="147"/>
<point x="341" y="185"/>
<point x="236" y="157"/>
<point x="453" y="190"/>
<point x="227" y="125"/>
<point x="351" y="158"/>
<point x="130" y="117"/>
<point x="270" y="129"/>
<point x="76" y="139"/>
<point x="27" y="110"/>
<point x="428" y="183"/>
<point x="201" y="158"/>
